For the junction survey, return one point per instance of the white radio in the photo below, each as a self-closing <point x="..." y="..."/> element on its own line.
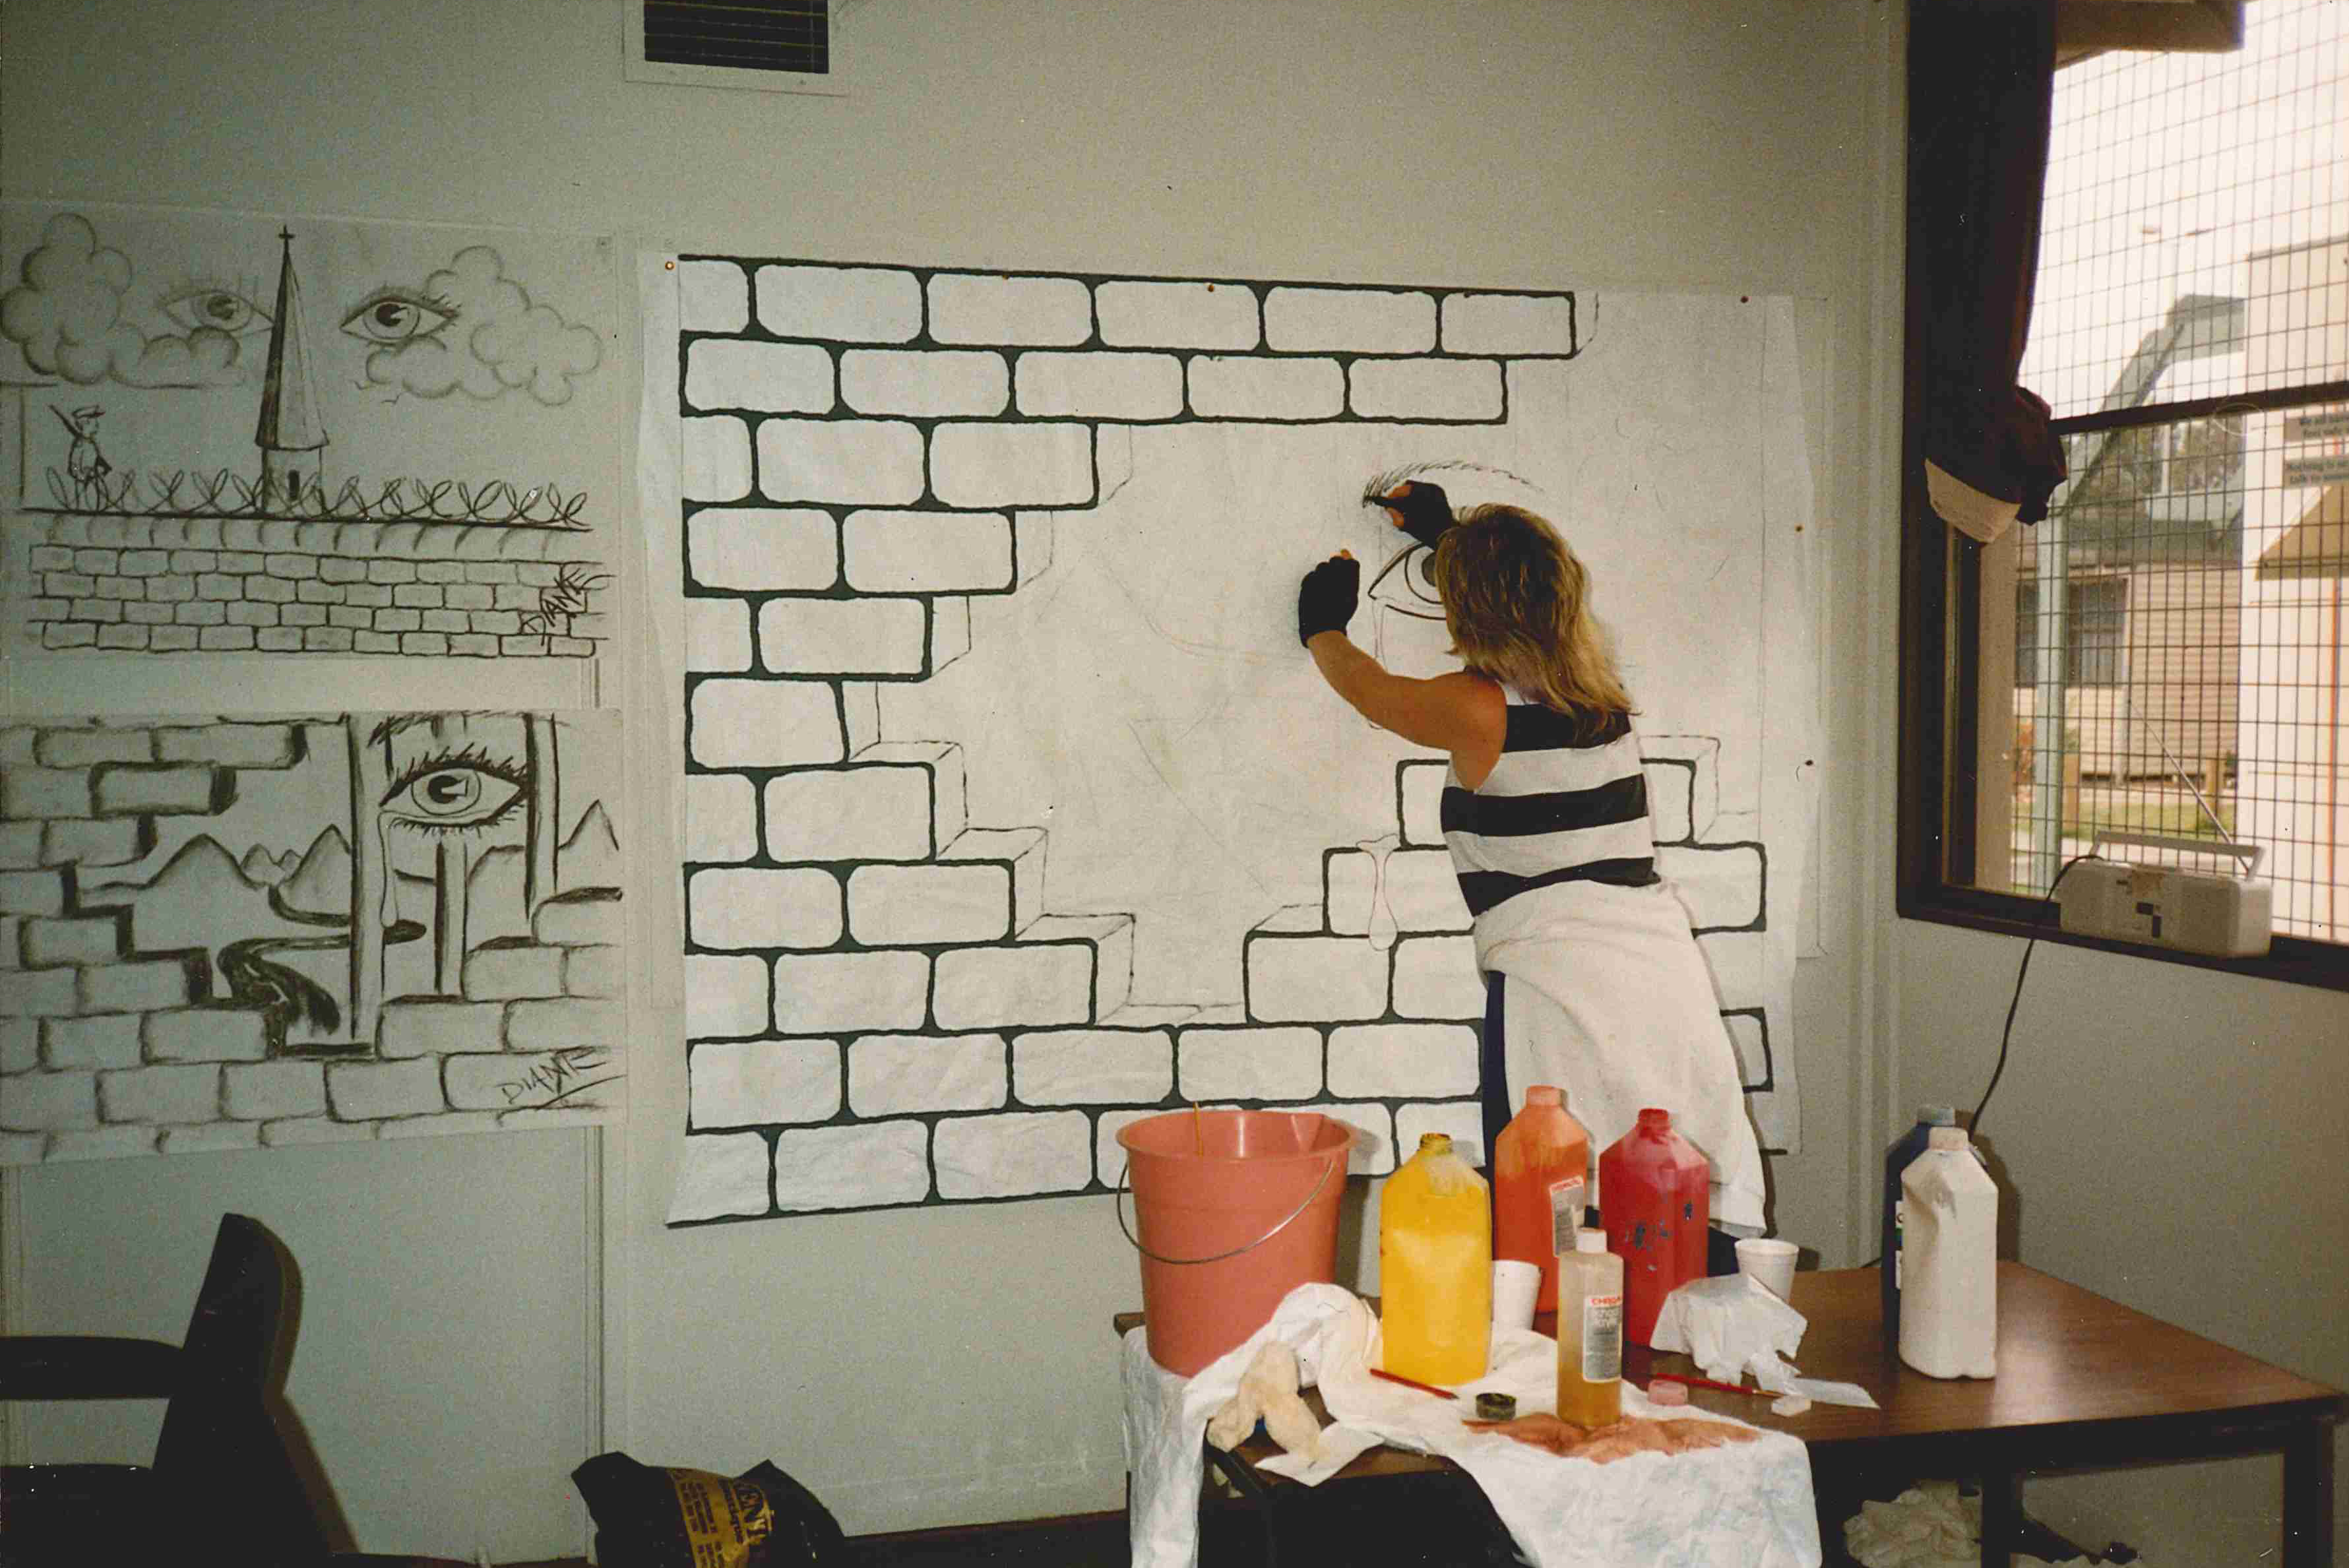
<point x="2215" y="912"/>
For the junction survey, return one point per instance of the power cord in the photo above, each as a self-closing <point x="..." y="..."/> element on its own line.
<point x="2007" y="1034"/>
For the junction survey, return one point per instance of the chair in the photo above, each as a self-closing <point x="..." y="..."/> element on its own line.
<point x="224" y="1486"/>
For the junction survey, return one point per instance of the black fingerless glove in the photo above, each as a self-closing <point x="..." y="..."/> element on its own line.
<point x="1425" y="511"/>
<point x="1326" y="599"/>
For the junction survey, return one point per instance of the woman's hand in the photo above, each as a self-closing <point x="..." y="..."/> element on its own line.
<point x="1327" y="598"/>
<point x="1421" y="510"/>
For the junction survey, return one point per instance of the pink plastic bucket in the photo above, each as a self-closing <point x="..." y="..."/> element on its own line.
<point x="1235" y="1208"/>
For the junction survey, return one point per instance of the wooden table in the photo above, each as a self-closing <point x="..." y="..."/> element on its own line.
<point x="2082" y="1384"/>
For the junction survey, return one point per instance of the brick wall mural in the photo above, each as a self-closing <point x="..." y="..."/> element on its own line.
<point x="230" y="934"/>
<point x="1013" y="813"/>
<point x="232" y="433"/>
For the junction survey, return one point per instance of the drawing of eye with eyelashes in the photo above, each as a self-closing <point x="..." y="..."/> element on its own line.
<point x="223" y="307"/>
<point x="393" y="317"/>
<point x="466" y="791"/>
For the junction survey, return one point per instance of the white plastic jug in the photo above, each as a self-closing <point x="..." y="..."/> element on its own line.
<point x="1949" y="1262"/>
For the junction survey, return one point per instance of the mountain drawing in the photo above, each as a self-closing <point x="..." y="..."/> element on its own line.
<point x="321" y="884"/>
<point x="591" y="856"/>
<point x="260" y="865"/>
<point x="201" y="898"/>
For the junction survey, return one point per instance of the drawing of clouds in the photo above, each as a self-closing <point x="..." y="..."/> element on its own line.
<point x="472" y="329"/>
<point x="67" y="316"/>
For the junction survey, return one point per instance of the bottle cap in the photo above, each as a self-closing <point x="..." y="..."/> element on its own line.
<point x="1544" y="1094"/>
<point x="1590" y="1239"/>
<point x="1946" y="1138"/>
<point x="1497" y="1406"/>
<point x="1434" y="1143"/>
<point x="1654" y="1118"/>
<point x="1937" y="1114"/>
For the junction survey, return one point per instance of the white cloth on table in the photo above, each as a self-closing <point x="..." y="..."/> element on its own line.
<point x="1743" y="1505"/>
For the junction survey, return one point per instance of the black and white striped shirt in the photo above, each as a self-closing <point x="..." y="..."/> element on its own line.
<point x="1554" y="810"/>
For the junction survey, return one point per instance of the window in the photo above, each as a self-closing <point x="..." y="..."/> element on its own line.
<point x="774" y="46"/>
<point x="2165" y="652"/>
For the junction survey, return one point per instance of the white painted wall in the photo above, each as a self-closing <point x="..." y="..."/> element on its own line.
<point x="928" y="1367"/>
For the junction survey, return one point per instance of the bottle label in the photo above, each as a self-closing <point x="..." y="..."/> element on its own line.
<point x="1602" y="1338"/>
<point x="1900" y="1221"/>
<point x="1565" y="1212"/>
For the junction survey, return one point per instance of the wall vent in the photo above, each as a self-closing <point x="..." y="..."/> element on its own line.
<point x="770" y="46"/>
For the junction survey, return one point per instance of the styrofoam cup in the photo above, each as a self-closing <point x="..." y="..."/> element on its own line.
<point x="1768" y="1261"/>
<point x="1516" y="1284"/>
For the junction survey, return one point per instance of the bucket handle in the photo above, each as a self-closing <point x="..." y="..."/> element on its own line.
<point x="1117" y="1206"/>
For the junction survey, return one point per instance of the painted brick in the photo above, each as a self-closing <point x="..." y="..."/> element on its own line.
<point x="1738" y="961"/>
<point x="148" y="615"/>
<point x="1357" y="321"/>
<point x="293" y="566"/>
<point x="69" y="585"/>
<point x="433" y="1026"/>
<point x="145" y="562"/>
<point x="969" y="308"/>
<point x="207" y="1033"/>
<point x="58" y="634"/>
<point x="467" y="596"/>
<point x="1408" y="890"/>
<point x="798" y="907"/>
<point x="1390" y="1060"/>
<point x="336" y="569"/>
<point x="761" y="548"/>
<point x="775" y="377"/>
<point x="121" y="588"/>
<point x="294" y="616"/>
<point x="924" y="382"/>
<point x="91" y="940"/>
<point x="104" y="1143"/>
<point x="483" y="646"/>
<point x="865" y="1166"/>
<point x="135" y="987"/>
<point x="721" y="1174"/>
<point x="725" y="997"/>
<point x="20" y="845"/>
<point x="204" y="614"/>
<point x="1022" y="850"/>
<point x="1509" y="323"/>
<point x="225" y="639"/>
<point x="1720" y="886"/>
<point x="499" y="623"/>
<point x="599" y="971"/>
<point x="132" y="636"/>
<point x="22" y="1148"/>
<point x="1307" y="977"/>
<point x="721" y="816"/>
<point x="218" y="1138"/>
<point x="388" y="643"/>
<point x="301" y="1132"/>
<point x="911" y="905"/>
<point x="950" y="631"/>
<point x="417" y="596"/>
<point x="509" y="967"/>
<point x="84" y="747"/>
<point x="361" y="1091"/>
<point x="20" y="1045"/>
<point x="712" y="296"/>
<point x="976" y="464"/>
<point x="108" y="1040"/>
<point x="160" y="1094"/>
<point x="560" y="1024"/>
<point x="238" y="562"/>
<point x="1101" y="385"/>
<point x="399" y="621"/>
<point x="446" y="1122"/>
<point x="1436" y="977"/>
<point x="278" y="639"/>
<point x="447" y="621"/>
<point x="352" y="617"/>
<point x="763" y="1083"/>
<point x="371" y="595"/>
<point x="876" y="813"/>
<point x="717" y="635"/>
<point x="500" y="1082"/>
<point x="220" y="586"/>
<point x="172" y="639"/>
<point x="1749" y="1038"/>
<point x="104" y="610"/>
<point x="840" y="637"/>
<point x="1671" y="790"/>
<point x="1012" y="1155"/>
<point x="327" y="639"/>
<point x="49" y="1102"/>
<point x="927" y="551"/>
<point x="1461" y="1121"/>
<point x="253" y="615"/>
<point x="1427" y="389"/>
<point x="581" y="917"/>
<point x="1008" y="987"/>
<point x="32" y="893"/>
<point x="823" y="993"/>
<point x="167" y="791"/>
<point x="1254" y="388"/>
<point x="97" y="563"/>
<point x="29" y="791"/>
<point x="713" y="460"/>
<point x="93" y="843"/>
<point x="263" y="1091"/>
<point x="49" y="558"/>
<point x="765" y="724"/>
<point x="873" y="462"/>
<point x="850" y="304"/>
<point x="1248" y="1064"/>
<point x="1178" y="316"/>
<point x="1092" y="1067"/>
<point x="890" y="1074"/>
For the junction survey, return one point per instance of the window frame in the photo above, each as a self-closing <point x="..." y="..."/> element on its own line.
<point x="1941" y="689"/>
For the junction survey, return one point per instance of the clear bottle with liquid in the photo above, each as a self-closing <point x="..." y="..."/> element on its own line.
<point x="1541" y="1182"/>
<point x="1435" y="1267"/>
<point x="1589" y="1332"/>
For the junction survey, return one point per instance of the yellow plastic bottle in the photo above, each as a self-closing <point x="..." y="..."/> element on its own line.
<point x="1590" y="1332"/>
<point x="1435" y="1267"/>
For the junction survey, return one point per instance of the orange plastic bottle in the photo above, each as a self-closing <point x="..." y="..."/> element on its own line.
<point x="1435" y="1267"/>
<point x="1654" y="1192"/>
<point x="1541" y="1179"/>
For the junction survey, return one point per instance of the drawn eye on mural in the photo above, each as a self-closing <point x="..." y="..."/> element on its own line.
<point x="456" y="793"/>
<point x="390" y="317"/>
<point x="219" y="307"/>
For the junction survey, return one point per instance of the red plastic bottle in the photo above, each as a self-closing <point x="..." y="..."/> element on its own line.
<point x="1541" y="1182"/>
<point x="1654" y="1194"/>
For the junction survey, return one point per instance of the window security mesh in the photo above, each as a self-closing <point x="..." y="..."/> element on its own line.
<point x="747" y="35"/>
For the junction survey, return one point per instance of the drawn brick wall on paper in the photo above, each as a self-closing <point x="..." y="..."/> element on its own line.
<point x="231" y="933"/>
<point x="883" y="1007"/>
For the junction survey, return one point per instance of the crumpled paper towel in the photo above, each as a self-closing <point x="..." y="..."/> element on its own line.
<point x="1727" y="1324"/>
<point x="1929" y="1526"/>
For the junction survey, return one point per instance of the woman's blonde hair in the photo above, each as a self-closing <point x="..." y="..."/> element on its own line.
<point x="1518" y="603"/>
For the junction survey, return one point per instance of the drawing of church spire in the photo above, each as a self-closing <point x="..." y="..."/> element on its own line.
<point x="291" y="435"/>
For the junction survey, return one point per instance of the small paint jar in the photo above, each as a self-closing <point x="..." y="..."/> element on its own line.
<point x="1497" y="1406"/>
